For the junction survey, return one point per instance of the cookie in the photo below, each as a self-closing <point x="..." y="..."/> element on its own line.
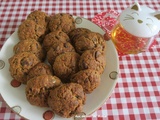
<point x="41" y="18"/>
<point x="62" y="21"/>
<point x="20" y="64"/>
<point x="30" y="30"/>
<point x="93" y="59"/>
<point x="76" y="33"/>
<point x="67" y="100"/>
<point x="55" y="38"/>
<point x="37" y="89"/>
<point x="90" y="41"/>
<point x="57" y="49"/>
<point x="32" y="46"/>
<point x="65" y="65"/>
<point x="89" y="79"/>
<point x="39" y="69"/>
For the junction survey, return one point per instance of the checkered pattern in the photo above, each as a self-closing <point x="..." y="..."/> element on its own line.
<point x="136" y="95"/>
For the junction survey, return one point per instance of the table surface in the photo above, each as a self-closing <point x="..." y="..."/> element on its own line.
<point x="137" y="93"/>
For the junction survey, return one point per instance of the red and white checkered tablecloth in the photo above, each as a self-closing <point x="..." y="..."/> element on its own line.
<point x="137" y="93"/>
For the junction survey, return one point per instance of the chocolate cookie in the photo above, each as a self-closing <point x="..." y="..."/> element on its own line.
<point x="67" y="100"/>
<point x="89" y="41"/>
<point x="55" y="38"/>
<point x="30" y="30"/>
<point x="20" y="64"/>
<point x="32" y="46"/>
<point x="62" y="21"/>
<point x="65" y="65"/>
<point x="39" y="69"/>
<point x="76" y="33"/>
<point x="37" y="89"/>
<point x="41" y="18"/>
<point x="89" y="79"/>
<point x="57" y="49"/>
<point x="93" y="59"/>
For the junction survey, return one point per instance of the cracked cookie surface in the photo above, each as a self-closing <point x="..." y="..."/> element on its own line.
<point x="55" y="38"/>
<point x="89" y="79"/>
<point x="89" y="41"/>
<point x="39" y="17"/>
<point x="62" y="21"/>
<point x="39" y="69"/>
<point x="66" y="65"/>
<point x="30" y="30"/>
<point x="76" y="33"/>
<point x="37" y="89"/>
<point x="32" y="46"/>
<point x="93" y="59"/>
<point x="57" y="49"/>
<point x="20" y="64"/>
<point x="67" y="99"/>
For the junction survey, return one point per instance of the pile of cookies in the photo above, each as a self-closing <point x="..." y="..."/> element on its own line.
<point x="58" y="62"/>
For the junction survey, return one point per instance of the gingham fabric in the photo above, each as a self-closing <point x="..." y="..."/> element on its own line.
<point x="137" y="93"/>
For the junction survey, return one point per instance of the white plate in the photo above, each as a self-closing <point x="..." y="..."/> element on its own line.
<point x="15" y="97"/>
